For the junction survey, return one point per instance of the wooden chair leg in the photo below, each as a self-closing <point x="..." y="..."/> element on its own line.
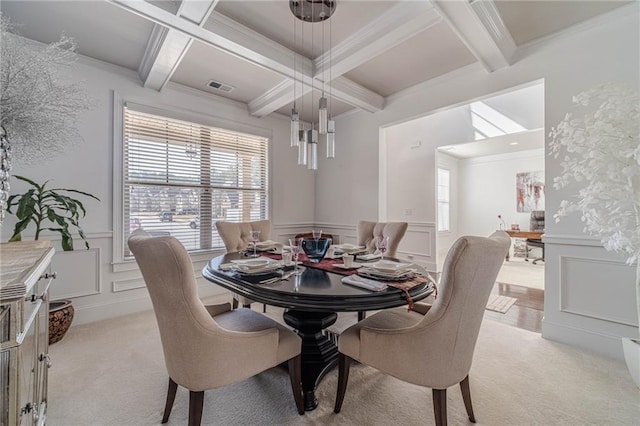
<point x="440" y="406"/>
<point x="466" y="397"/>
<point x="264" y="308"/>
<point x="361" y="315"/>
<point x="196" y="402"/>
<point x="234" y="303"/>
<point x="295" y="375"/>
<point x="171" y="396"/>
<point x="344" y="363"/>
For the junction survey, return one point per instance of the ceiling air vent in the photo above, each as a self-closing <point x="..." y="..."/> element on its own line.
<point x="219" y="86"/>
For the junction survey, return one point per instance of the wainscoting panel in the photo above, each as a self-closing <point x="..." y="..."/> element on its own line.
<point x="127" y="284"/>
<point x="78" y="273"/>
<point x="581" y="278"/>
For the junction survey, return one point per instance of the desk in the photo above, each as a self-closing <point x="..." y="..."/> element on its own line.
<point x="533" y="235"/>
<point x="312" y="300"/>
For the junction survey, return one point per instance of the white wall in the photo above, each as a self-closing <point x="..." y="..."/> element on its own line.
<point x="603" y="50"/>
<point x="487" y="188"/>
<point x="100" y="287"/>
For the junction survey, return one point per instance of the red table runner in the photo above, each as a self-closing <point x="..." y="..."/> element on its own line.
<point x="328" y="265"/>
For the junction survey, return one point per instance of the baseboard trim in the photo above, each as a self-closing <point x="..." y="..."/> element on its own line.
<point x="603" y="344"/>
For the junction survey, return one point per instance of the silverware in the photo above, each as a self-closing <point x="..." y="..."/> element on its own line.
<point x="283" y="277"/>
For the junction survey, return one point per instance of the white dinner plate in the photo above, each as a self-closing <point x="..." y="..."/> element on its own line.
<point x="390" y="266"/>
<point x="272" y="267"/>
<point x="258" y="263"/>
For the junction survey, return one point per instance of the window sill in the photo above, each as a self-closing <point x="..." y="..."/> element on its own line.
<point x="196" y="257"/>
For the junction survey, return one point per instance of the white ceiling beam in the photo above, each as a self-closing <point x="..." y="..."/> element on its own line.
<point x="481" y="29"/>
<point x="166" y="47"/>
<point x="258" y="49"/>
<point x="281" y="95"/>
<point x="395" y="26"/>
<point x="400" y="23"/>
<point x="301" y="71"/>
<point x="242" y="42"/>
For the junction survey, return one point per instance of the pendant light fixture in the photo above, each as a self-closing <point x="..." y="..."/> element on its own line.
<point x="311" y="11"/>
<point x="295" y="117"/>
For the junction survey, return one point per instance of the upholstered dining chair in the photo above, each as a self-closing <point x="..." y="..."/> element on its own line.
<point x="369" y="231"/>
<point x="236" y="237"/>
<point x="432" y="345"/>
<point x="207" y="347"/>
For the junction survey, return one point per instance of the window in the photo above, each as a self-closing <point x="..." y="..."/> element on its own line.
<point x="179" y="178"/>
<point x="444" y="194"/>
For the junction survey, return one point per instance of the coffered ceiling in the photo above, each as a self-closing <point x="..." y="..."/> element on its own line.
<point x="371" y="50"/>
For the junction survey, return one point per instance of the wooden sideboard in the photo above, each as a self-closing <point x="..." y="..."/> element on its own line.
<point x="25" y="278"/>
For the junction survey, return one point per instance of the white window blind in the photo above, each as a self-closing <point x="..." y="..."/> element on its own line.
<point x="181" y="177"/>
<point x="444" y="194"/>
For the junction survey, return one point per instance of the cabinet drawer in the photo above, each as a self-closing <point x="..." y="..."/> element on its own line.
<point x="18" y="315"/>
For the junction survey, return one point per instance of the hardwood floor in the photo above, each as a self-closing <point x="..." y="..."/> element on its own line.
<point x="528" y="310"/>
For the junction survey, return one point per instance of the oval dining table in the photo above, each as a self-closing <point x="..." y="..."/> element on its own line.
<point x="311" y="301"/>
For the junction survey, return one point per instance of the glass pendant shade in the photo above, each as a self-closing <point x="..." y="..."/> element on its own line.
<point x="302" y="148"/>
<point x="331" y="139"/>
<point x="322" y="116"/>
<point x="312" y="139"/>
<point x="313" y="156"/>
<point x="295" y="127"/>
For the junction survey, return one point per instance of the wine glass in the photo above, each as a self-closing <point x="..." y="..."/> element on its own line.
<point x="316" y="234"/>
<point x="381" y="245"/>
<point x="255" y="238"/>
<point x="296" y="249"/>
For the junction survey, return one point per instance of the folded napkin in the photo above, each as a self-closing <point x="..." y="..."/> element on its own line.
<point x="268" y="245"/>
<point x="367" y="283"/>
<point x="369" y="256"/>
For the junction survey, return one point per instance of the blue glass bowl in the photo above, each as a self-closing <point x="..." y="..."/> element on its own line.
<point x="315" y="249"/>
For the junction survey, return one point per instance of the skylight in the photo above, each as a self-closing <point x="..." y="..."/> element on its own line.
<point x="488" y="123"/>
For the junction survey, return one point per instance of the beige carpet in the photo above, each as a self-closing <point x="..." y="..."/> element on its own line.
<point x="517" y="271"/>
<point x="112" y="373"/>
<point x="500" y="304"/>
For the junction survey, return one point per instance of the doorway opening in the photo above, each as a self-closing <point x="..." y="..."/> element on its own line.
<point x="471" y="170"/>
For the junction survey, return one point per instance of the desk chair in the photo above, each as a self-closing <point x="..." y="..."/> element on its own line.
<point x="207" y="347"/>
<point x="536" y="223"/>
<point x="432" y="345"/>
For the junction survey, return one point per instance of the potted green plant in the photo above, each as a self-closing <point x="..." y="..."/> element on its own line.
<point x="52" y="210"/>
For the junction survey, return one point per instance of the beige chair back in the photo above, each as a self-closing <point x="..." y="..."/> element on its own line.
<point x="198" y="353"/>
<point x="469" y="273"/>
<point x="369" y="231"/>
<point x="237" y="235"/>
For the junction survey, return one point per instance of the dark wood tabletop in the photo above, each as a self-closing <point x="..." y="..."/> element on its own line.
<point x="315" y="290"/>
